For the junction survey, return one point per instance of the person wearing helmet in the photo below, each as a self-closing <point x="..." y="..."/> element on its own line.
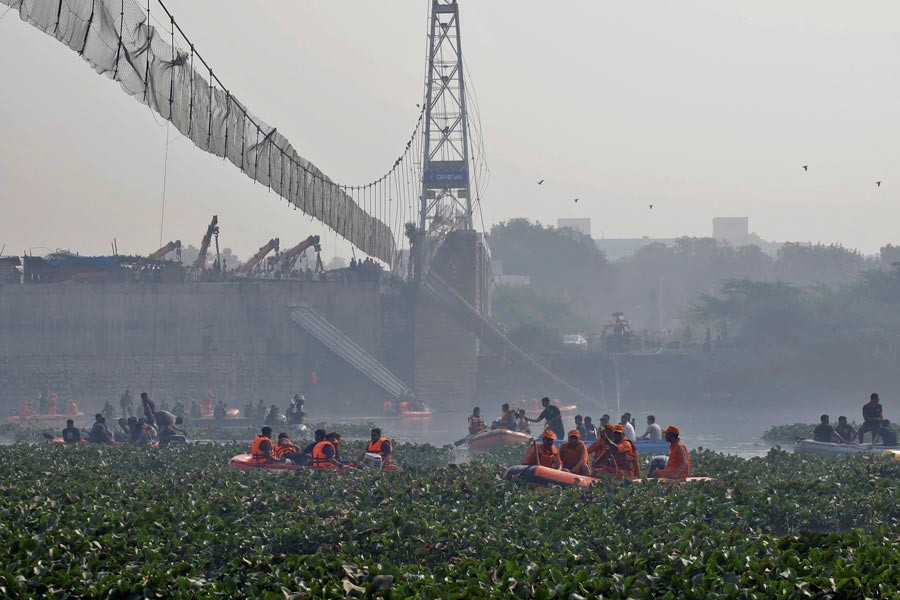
<point x="574" y="456"/>
<point x="545" y="455"/>
<point x="679" y="465"/>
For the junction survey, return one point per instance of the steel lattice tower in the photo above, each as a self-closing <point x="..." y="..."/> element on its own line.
<point x="446" y="203"/>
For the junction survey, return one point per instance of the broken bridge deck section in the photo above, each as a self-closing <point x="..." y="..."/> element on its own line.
<point x="335" y="340"/>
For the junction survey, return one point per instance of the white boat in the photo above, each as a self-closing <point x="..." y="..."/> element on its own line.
<point x="832" y="449"/>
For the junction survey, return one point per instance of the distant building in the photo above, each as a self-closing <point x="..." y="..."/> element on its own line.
<point x="734" y="230"/>
<point x="581" y="225"/>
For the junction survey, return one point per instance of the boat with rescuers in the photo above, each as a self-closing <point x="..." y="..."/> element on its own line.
<point x="322" y="454"/>
<point x="805" y="446"/>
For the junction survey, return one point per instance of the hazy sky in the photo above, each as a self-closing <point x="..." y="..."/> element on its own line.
<point x="702" y="108"/>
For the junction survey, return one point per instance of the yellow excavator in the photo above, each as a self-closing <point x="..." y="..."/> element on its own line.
<point x="161" y="253"/>
<point x="289" y="257"/>
<point x="250" y="266"/>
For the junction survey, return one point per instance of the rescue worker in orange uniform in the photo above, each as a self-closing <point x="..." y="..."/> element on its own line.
<point x="679" y="465"/>
<point x="285" y="448"/>
<point x="378" y="445"/>
<point x="206" y="404"/>
<point x="545" y="455"/>
<point x="574" y="455"/>
<point x="625" y="454"/>
<point x="476" y="421"/>
<point x="262" y="450"/>
<point x="599" y="449"/>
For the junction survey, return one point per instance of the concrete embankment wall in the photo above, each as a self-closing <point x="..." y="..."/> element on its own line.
<point x="91" y="341"/>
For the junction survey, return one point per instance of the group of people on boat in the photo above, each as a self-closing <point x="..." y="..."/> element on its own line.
<point x="48" y="404"/>
<point x="874" y="423"/>
<point x="516" y="420"/>
<point x="324" y="452"/>
<point x="155" y="427"/>
<point x="611" y="455"/>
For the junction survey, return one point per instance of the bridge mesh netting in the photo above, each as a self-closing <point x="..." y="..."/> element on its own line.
<point x="117" y="38"/>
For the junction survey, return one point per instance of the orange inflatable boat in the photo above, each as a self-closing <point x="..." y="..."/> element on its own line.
<point x="243" y="462"/>
<point x="547" y="476"/>
<point x="416" y="414"/>
<point x="497" y="438"/>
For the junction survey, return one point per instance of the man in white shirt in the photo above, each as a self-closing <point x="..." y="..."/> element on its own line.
<point x="629" y="428"/>
<point x="654" y="431"/>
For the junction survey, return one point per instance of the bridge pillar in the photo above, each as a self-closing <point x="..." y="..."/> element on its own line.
<point x="446" y="354"/>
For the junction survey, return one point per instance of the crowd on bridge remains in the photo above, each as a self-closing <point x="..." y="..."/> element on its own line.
<point x="612" y="452"/>
<point x="874" y="424"/>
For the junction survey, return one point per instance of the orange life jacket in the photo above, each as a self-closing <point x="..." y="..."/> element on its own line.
<point x="257" y="455"/>
<point x="375" y="448"/>
<point x="546" y="458"/>
<point x="404" y="406"/>
<point x="571" y="454"/>
<point x="283" y="446"/>
<point x="320" y="459"/>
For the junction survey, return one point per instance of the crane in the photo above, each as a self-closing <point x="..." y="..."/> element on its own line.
<point x="290" y="256"/>
<point x="212" y="230"/>
<point x="161" y="253"/>
<point x="250" y="265"/>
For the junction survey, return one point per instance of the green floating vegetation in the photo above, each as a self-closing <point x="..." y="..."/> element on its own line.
<point x="128" y="522"/>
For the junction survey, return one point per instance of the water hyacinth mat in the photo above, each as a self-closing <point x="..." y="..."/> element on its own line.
<point x="177" y="523"/>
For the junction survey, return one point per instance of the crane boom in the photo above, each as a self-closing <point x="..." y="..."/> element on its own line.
<point x="159" y="254"/>
<point x="291" y="255"/>
<point x="251" y="264"/>
<point x="213" y="229"/>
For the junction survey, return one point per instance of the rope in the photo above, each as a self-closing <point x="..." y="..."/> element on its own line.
<point x="162" y="217"/>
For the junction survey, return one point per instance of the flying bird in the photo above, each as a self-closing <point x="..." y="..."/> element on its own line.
<point x="651" y="207"/>
<point x="806" y="167"/>
<point x="576" y="200"/>
<point x="540" y="182"/>
<point x="878" y="183"/>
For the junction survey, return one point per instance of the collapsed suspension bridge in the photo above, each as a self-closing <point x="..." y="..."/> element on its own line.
<point x="429" y="194"/>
